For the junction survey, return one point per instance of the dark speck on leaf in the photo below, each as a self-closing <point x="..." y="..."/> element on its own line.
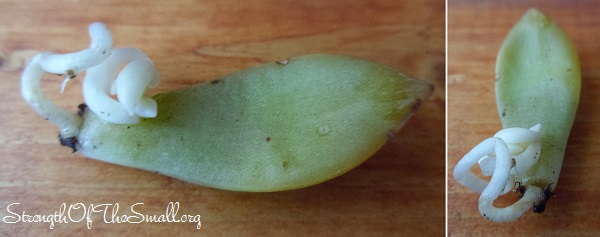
<point x="215" y="82"/>
<point x="268" y="139"/>
<point x="285" y="164"/>
<point x="416" y="105"/>
<point x="540" y="207"/>
<point x="520" y="189"/>
<point x="81" y="109"/>
<point x="68" y="142"/>
<point x="70" y="73"/>
<point x="390" y="136"/>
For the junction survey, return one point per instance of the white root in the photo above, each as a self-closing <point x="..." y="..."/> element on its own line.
<point x="102" y="64"/>
<point x="130" y="85"/>
<point x="32" y="93"/>
<point x="488" y="210"/>
<point x="495" y="156"/>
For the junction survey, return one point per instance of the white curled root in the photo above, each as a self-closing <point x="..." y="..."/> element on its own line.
<point x="129" y="86"/>
<point x="102" y="64"/>
<point x="511" y="152"/>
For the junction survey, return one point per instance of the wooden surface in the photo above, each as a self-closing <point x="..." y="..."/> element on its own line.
<point x="475" y="31"/>
<point x="398" y="192"/>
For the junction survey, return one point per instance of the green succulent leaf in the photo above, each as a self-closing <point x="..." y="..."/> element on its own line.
<point x="278" y="126"/>
<point x="538" y="80"/>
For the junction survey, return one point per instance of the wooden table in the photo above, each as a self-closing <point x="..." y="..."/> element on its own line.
<point x="475" y="31"/>
<point x="399" y="191"/>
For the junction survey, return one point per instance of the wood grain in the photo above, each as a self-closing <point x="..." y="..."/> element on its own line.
<point x="398" y="192"/>
<point x="475" y="31"/>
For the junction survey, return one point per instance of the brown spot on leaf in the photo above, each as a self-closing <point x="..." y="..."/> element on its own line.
<point x="68" y="142"/>
<point x="416" y="105"/>
<point x="81" y="109"/>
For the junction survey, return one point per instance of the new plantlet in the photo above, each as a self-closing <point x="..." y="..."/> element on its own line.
<point x="538" y="81"/>
<point x="278" y="126"/>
